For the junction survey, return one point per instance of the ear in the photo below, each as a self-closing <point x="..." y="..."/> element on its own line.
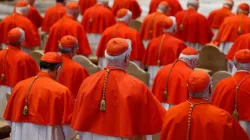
<point x="126" y="58"/>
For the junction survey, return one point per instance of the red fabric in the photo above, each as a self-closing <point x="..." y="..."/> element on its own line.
<point x="174" y="4"/>
<point x="72" y="74"/>
<point x="150" y="28"/>
<point x="49" y="102"/>
<point x="198" y="81"/>
<point x="131" y="5"/>
<point x="85" y="4"/>
<point x="67" y="26"/>
<point x="17" y="66"/>
<point x="207" y="123"/>
<point x="14" y="35"/>
<point x="195" y="27"/>
<point x="122" y="30"/>
<point x="170" y="51"/>
<point x="242" y="42"/>
<point x="35" y="17"/>
<point x="224" y="95"/>
<point x="131" y="109"/>
<point x="177" y="83"/>
<point x="68" y="41"/>
<point x="228" y="32"/>
<point x="216" y="17"/>
<point x="117" y="46"/>
<point x="32" y="38"/>
<point x="52" y="15"/>
<point x="243" y="56"/>
<point x="51" y="57"/>
<point x="97" y="18"/>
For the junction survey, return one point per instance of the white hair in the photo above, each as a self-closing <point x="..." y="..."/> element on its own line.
<point x="22" y="37"/>
<point x="242" y="66"/>
<point x="126" y="18"/>
<point x="193" y="2"/>
<point x="22" y="10"/>
<point x="226" y="2"/>
<point x="162" y="8"/>
<point x="242" y="11"/>
<point x="68" y="49"/>
<point x="189" y="57"/>
<point x="122" y="56"/>
<point x="172" y="29"/>
<point x="101" y="1"/>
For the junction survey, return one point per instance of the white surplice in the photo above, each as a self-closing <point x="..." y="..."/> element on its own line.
<point x="145" y="43"/>
<point x="215" y="31"/>
<point x="102" y="62"/>
<point x="196" y="46"/>
<point x="167" y="106"/>
<point x="152" y="70"/>
<point x="225" y="47"/>
<point x="246" y="126"/>
<point x="93" y="42"/>
<point x="3" y="100"/>
<point x="30" y="131"/>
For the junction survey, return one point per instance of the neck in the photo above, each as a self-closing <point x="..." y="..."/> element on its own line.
<point x="192" y="7"/>
<point x="227" y="6"/>
<point x="116" y="66"/>
<point x="52" y="74"/>
<point x="70" y="55"/>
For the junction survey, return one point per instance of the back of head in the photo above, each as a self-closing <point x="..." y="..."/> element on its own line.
<point x="193" y="4"/>
<point x="60" y="1"/>
<point x="50" y="62"/>
<point x="118" y="52"/>
<point x="104" y="2"/>
<point x="243" y="8"/>
<point x="22" y="7"/>
<point x="190" y="56"/>
<point x="124" y="15"/>
<point x="68" y="45"/>
<point x="73" y="9"/>
<point x="228" y="3"/>
<point x="16" y="37"/>
<point x="242" y="59"/>
<point x="168" y="24"/>
<point x="199" y="84"/>
<point x="164" y="7"/>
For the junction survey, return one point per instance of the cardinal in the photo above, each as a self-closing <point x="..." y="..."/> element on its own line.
<point x="170" y="83"/>
<point x="33" y="15"/>
<point x="53" y="14"/>
<point x="197" y="118"/>
<point x="111" y="104"/>
<point x="15" y="65"/>
<point x="131" y="5"/>
<point x="232" y="94"/>
<point x="174" y="5"/>
<point x="85" y="4"/>
<point x="233" y="27"/>
<point x="121" y="30"/>
<point x="19" y="19"/>
<point x="193" y="27"/>
<point x="164" y="49"/>
<point x="95" y="20"/>
<point x="216" y="17"/>
<point x="68" y="26"/>
<point x="149" y="28"/>
<point x="73" y="74"/>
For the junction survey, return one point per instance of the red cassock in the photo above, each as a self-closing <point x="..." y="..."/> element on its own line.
<point x="224" y="95"/>
<point x="242" y="42"/>
<point x="72" y="74"/>
<point x="97" y="18"/>
<point x="216" y="17"/>
<point x="195" y="28"/>
<point x="131" y="109"/>
<point x="85" y="4"/>
<point x="131" y="5"/>
<point x="32" y="38"/>
<point x="49" y="102"/>
<point x="67" y="26"/>
<point x="16" y="66"/>
<point x="176" y="84"/>
<point x="174" y="4"/>
<point x="165" y="48"/>
<point x="52" y="15"/>
<point x="228" y="32"/>
<point x="207" y="123"/>
<point x="122" y="30"/>
<point x="150" y="28"/>
<point x="35" y="17"/>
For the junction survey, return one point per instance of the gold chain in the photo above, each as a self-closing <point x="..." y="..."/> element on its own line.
<point x="159" y="50"/>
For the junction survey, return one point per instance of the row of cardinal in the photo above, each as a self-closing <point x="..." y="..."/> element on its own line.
<point x="60" y="100"/>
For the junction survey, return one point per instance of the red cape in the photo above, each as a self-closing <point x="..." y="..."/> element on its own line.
<point x="17" y="66"/>
<point x="195" y="27"/>
<point x="177" y="83"/>
<point x="35" y="17"/>
<point x="52" y="15"/>
<point x="122" y="30"/>
<point x="131" y="109"/>
<point x="216" y="17"/>
<point x="97" y="18"/>
<point x="207" y="123"/>
<point x="131" y="5"/>
<point x="85" y="4"/>
<point x="72" y="74"/>
<point x="32" y="38"/>
<point x="49" y="102"/>
<point x="242" y="42"/>
<point x="67" y="26"/>
<point x="228" y="32"/>
<point x="169" y="51"/>
<point x="224" y="95"/>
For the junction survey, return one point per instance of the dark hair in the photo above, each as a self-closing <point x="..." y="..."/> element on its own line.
<point x="60" y="0"/>
<point x="66" y="50"/>
<point x="49" y="66"/>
